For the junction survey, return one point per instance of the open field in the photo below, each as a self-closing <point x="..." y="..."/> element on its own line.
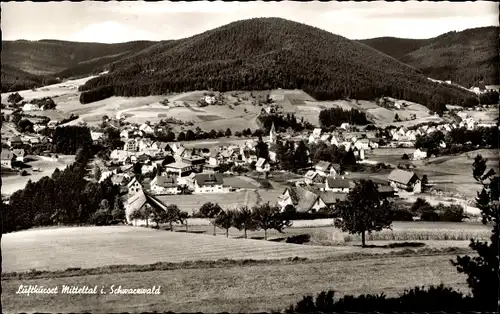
<point x="85" y="247"/>
<point x="12" y="183"/>
<point x="245" y="288"/>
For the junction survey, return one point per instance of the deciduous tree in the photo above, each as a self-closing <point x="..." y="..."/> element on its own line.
<point x="364" y="211"/>
<point x="210" y="210"/>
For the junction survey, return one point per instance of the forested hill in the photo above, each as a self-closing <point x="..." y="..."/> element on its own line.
<point x="29" y="62"/>
<point x="465" y="57"/>
<point x="268" y="53"/>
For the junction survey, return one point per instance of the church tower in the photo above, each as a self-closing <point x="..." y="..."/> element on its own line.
<point x="272" y="135"/>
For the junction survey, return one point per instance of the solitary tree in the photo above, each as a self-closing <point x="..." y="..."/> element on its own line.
<point x="225" y="220"/>
<point x="364" y="210"/>
<point x="483" y="270"/>
<point x="244" y="220"/>
<point x="210" y="210"/>
<point x="183" y="216"/>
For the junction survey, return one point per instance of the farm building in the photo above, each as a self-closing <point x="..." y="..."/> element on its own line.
<point x="96" y="136"/>
<point x="406" y="180"/>
<point x="7" y="158"/>
<point x="165" y="185"/>
<point x="324" y="168"/>
<point x="306" y="201"/>
<point x="208" y="183"/>
<point x="14" y="141"/>
<point x="31" y="107"/>
<point x="337" y="185"/>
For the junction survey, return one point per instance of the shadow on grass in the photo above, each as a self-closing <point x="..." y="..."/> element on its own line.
<point x="395" y="245"/>
<point x="299" y="239"/>
<point x="189" y="231"/>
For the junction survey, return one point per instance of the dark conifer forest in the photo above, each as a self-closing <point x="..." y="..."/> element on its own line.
<point x="269" y="53"/>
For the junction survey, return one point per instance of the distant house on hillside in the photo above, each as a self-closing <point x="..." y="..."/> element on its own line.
<point x="344" y="126"/>
<point x="96" y="136"/>
<point x="406" y="180"/>
<point x="208" y="183"/>
<point x="31" y="107"/>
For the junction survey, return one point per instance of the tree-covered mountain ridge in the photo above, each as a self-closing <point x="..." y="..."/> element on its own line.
<point x="270" y="53"/>
<point x="466" y="57"/>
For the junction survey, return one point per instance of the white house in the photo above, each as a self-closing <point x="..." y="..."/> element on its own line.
<point x="179" y="168"/>
<point x="134" y="186"/>
<point x="344" y="126"/>
<point x="96" y="135"/>
<point x="208" y="183"/>
<point x="420" y="153"/>
<point x="148" y="168"/>
<point x="7" y="158"/>
<point x="124" y="134"/>
<point x="210" y="99"/>
<point x="313" y="177"/>
<point x="337" y="185"/>
<point x="262" y="165"/>
<point x="165" y="185"/>
<point x="119" y="155"/>
<point x="20" y="154"/>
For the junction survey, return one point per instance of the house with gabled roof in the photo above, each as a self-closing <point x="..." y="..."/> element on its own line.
<point x="406" y="180"/>
<point x="262" y="165"/>
<point x="323" y="168"/>
<point x="14" y="141"/>
<point x="339" y="185"/>
<point x="308" y="201"/>
<point x="131" y="145"/>
<point x="208" y="183"/>
<point x="313" y="177"/>
<point x="7" y="158"/>
<point x="139" y="202"/>
<point x="146" y="129"/>
<point x="179" y="168"/>
<point x="134" y="186"/>
<point x="165" y="185"/>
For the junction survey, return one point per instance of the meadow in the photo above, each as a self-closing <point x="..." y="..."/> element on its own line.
<point x="245" y="288"/>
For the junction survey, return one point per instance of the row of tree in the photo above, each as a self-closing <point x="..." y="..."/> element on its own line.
<point x="283" y="122"/>
<point x="337" y="116"/>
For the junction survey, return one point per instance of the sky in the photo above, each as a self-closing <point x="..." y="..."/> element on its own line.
<point x="114" y="22"/>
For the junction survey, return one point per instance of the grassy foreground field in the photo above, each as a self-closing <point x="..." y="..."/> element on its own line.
<point x="242" y="288"/>
<point x="87" y="247"/>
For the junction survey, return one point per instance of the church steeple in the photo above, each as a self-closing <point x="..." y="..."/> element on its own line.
<point x="272" y="134"/>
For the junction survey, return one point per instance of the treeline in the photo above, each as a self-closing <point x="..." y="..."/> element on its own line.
<point x="426" y="212"/>
<point x="459" y="140"/>
<point x="292" y="158"/>
<point x="45" y="102"/>
<point x="254" y="55"/>
<point x="283" y="122"/>
<point x="337" y="116"/>
<point x="65" y="198"/>
<point x="331" y="153"/>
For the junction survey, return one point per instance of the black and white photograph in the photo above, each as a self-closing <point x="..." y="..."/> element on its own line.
<point x="250" y="157"/>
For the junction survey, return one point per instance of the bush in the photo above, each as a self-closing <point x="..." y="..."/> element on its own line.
<point x="402" y="215"/>
<point x="430" y="215"/>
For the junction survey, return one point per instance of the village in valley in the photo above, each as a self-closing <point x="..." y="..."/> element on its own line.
<point x="149" y="159"/>
<point x="225" y="162"/>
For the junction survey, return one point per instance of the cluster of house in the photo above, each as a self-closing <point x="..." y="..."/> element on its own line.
<point x="11" y="156"/>
<point x="348" y="141"/>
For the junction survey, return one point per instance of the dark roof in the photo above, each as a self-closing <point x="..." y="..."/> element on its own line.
<point x="166" y="181"/>
<point x="330" y="197"/>
<point x="338" y="183"/>
<point x="15" y="139"/>
<point x="209" y="179"/>
<point x="401" y="176"/>
<point x="302" y="199"/>
<point x="385" y="189"/>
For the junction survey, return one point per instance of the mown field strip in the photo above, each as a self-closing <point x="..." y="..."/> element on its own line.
<point x="85" y="247"/>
